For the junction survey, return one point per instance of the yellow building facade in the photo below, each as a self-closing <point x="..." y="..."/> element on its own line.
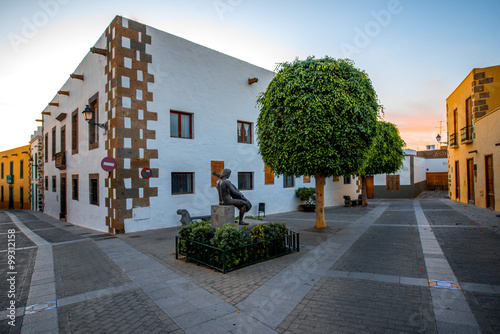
<point x="473" y="121"/>
<point x="15" y="179"/>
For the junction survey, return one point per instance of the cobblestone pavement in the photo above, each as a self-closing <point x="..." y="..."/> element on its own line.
<point x="429" y="265"/>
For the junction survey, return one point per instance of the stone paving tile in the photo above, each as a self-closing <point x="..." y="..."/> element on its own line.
<point x="397" y="218"/>
<point x="486" y="309"/>
<point x="385" y="250"/>
<point x="126" y="312"/>
<point x="35" y="224"/>
<point x="22" y="241"/>
<point x="25" y="262"/>
<point x="478" y="266"/>
<point x="7" y="225"/>
<point x="55" y="235"/>
<point x="5" y="328"/>
<point x="80" y="267"/>
<point x="451" y="218"/>
<point x="337" y="305"/>
<point x="232" y="287"/>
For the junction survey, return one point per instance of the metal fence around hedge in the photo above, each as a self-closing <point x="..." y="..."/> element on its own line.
<point x="232" y="259"/>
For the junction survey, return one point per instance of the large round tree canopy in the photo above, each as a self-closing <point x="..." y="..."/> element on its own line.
<point x="318" y="117"/>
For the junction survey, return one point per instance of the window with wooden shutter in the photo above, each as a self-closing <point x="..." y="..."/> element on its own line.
<point x="218" y="167"/>
<point x="268" y="176"/>
<point x="392" y="182"/>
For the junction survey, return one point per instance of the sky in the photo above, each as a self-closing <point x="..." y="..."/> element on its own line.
<point x="416" y="52"/>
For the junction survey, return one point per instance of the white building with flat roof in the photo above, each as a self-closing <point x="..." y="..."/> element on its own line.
<point x="173" y="112"/>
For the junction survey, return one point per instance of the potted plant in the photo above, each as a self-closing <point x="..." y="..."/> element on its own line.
<point x="308" y="195"/>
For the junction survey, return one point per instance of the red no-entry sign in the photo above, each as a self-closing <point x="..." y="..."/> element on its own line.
<point x="108" y="164"/>
<point x="146" y="173"/>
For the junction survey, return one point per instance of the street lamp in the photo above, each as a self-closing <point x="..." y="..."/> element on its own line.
<point x="88" y="115"/>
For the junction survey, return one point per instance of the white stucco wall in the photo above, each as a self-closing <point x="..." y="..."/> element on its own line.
<point x="188" y="78"/>
<point x="214" y="88"/>
<point x="436" y="165"/>
<point x="85" y="162"/>
<point x="404" y="174"/>
<point x="420" y="166"/>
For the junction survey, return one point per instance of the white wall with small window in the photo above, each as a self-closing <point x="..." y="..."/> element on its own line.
<point x="83" y="144"/>
<point x="207" y="112"/>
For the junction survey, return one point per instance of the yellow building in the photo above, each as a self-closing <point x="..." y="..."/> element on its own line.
<point x="473" y="120"/>
<point x="14" y="178"/>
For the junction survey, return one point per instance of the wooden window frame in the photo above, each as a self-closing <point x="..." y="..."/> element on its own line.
<point x="288" y="178"/>
<point x="244" y="136"/>
<point x="93" y="129"/>
<point x="46" y="183"/>
<point x="74" y="132"/>
<point x="62" y="138"/>
<point x="54" y="185"/>
<point x="182" y="192"/>
<point x="21" y="169"/>
<point x="92" y="200"/>
<point x="11" y="167"/>
<point x="47" y="147"/>
<point x="1" y="170"/>
<point x="245" y="175"/>
<point x="179" y="124"/>
<point x="54" y="148"/>
<point x="347" y="179"/>
<point x="75" y="192"/>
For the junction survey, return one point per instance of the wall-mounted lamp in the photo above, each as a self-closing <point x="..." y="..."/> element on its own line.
<point x="438" y="138"/>
<point x="88" y="115"/>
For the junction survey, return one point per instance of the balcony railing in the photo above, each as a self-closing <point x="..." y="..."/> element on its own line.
<point x="466" y="134"/>
<point x="453" y="140"/>
<point x="61" y="160"/>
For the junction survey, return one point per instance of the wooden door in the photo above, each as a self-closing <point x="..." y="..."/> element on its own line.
<point x="470" y="181"/>
<point x="11" y="198"/>
<point x="63" y="212"/>
<point x="370" y="188"/>
<point x="490" y="195"/>
<point x="436" y="181"/>
<point x="457" y="181"/>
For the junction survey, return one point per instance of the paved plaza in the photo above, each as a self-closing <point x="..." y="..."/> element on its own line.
<point x="429" y="265"/>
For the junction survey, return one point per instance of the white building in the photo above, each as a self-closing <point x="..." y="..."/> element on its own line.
<point x="422" y="170"/>
<point x="173" y="110"/>
<point x="36" y="170"/>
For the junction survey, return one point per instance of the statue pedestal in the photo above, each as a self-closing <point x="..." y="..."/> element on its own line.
<point x="221" y="215"/>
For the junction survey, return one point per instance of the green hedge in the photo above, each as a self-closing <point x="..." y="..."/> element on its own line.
<point x="230" y="237"/>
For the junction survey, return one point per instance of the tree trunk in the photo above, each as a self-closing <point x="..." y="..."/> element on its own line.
<point x="320" y="201"/>
<point x="363" y="190"/>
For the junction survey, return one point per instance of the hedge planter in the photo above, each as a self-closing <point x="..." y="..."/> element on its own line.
<point x="235" y="258"/>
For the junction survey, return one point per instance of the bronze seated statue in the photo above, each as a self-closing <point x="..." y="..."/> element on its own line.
<point x="230" y="195"/>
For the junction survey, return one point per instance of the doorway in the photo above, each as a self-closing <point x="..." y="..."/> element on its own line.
<point x="11" y="198"/>
<point x="490" y="195"/>
<point x="457" y="181"/>
<point x="62" y="214"/>
<point x="370" y="188"/>
<point x="470" y="181"/>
